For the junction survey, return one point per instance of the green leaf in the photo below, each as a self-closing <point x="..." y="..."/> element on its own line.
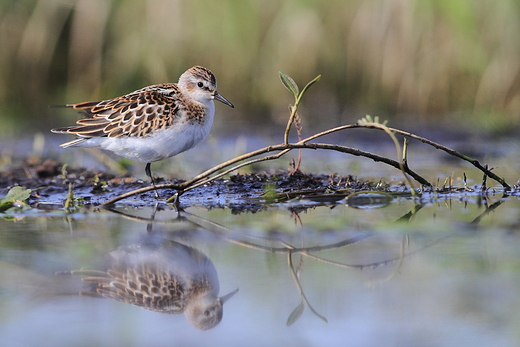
<point x="15" y="194"/>
<point x="316" y="79"/>
<point x="293" y="317"/>
<point x="69" y="201"/>
<point x="289" y="83"/>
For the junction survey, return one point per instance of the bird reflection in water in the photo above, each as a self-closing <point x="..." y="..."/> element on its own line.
<point x="166" y="277"/>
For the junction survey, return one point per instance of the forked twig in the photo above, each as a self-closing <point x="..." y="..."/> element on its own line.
<point x="245" y="159"/>
<point x="206" y="177"/>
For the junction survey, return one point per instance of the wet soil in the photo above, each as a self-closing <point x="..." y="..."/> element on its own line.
<point x="50" y="181"/>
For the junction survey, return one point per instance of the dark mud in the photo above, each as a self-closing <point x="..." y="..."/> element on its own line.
<point x="50" y="181"/>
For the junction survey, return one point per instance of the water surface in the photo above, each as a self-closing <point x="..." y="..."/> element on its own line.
<point x="442" y="270"/>
<point x="447" y="274"/>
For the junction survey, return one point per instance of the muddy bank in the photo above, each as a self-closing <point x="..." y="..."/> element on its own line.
<point x="50" y="181"/>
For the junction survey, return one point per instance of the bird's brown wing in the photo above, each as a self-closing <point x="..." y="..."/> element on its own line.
<point x="135" y="114"/>
<point x="146" y="286"/>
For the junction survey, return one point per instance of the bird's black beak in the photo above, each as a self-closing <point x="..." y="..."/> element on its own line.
<point x="226" y="297"/>
<point x="222" y="99"/>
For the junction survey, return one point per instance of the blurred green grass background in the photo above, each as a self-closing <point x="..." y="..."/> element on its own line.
<point x="414" y="61"/>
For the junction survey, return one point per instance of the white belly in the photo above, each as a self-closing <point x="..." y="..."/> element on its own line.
<point x="160" y="145"/>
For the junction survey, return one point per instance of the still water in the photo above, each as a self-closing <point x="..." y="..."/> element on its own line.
<point x="436" y="272"/>
<point x="440" y="271"/>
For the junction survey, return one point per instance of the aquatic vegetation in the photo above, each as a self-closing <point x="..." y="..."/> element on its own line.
<point x="15" y="200"/>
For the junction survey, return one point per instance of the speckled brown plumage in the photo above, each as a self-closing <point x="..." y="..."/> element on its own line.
<point x="135" y="114"/>
<point x="145" y="286"/>
<point x="152" y="123"/>
<point x="167" y="278"/>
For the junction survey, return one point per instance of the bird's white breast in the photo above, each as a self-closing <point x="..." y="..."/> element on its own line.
<point x="181" y="136"/>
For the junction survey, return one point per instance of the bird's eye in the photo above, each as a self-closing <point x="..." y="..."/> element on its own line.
<point x="206" y="313"/>
<point x="200" y="84"/>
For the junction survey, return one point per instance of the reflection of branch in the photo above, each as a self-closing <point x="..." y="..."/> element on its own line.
<point x="303" y="250"/>
<point x="376" y="264"/>
<point x="288" y="249"/>
<point x="293" y="317"/>
<point x="148" y="220"/>
<point x="488" y="210"/>
<point x="130" y="217"/>
<point x="307" y="251"/>
<point x="410" y="214"/>
<point x="404" y="243"/>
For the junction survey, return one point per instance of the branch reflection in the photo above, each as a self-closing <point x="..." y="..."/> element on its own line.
<point x="280" y="245"/>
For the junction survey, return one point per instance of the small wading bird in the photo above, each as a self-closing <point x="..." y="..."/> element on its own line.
<point x="169" y="277"/>
<point x="152" y="123"/>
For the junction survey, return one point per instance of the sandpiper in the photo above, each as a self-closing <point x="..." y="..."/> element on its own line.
<point x="152" y="123"/>
<point x="166" y="277"/>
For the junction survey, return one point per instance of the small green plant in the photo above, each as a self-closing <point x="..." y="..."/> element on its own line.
<point x="72" y="202"/>
<point x="64" y="171"/>
<point x="99" y="185"/>
<point x="401" y="153"/>
<point x="15" y="199"/>
<point x="295" y="118"/>
<point x="289" y="83"/>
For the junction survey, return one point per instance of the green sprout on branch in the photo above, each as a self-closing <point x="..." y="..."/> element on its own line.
<point x="401" y="153"/>
<point x="289" y="83"/>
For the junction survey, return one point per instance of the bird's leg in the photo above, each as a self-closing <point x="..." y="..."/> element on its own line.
<point x="149" y="174"/>
<point x="177" y="202"/>
<point x="149" y="226"/>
